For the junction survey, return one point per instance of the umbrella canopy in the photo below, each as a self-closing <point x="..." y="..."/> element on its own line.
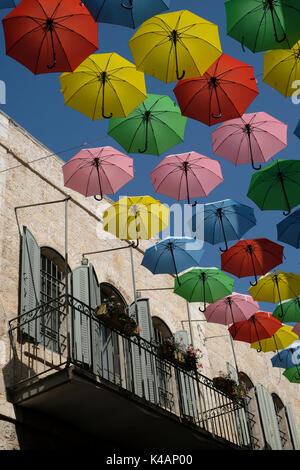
<point x="203" y="285"/>
<point x="153" y="127"/>
<point x="224" y="92"/>
<point x="253" y="138"/>
<point x="290" y="309"/>
<point x="282" y="338"/>
<point x="130" y="13"/>
<point x="261" y="25"/>
<point x="175" y="44"/>
<point x="224" y="220"/>
<point x="50" y="35"/>
<point x="96" y="171"/>
<point x="137" y="217"/>
<point x="288" y="230"/>
<point x="292" y="374"/>
<point x="186" y="175"/>
<point x="281" y="69"/>
<point x="276" y="187"/>
<point x="230" y="309"/>
<point x="104" y="86"/>
<point x="9" y="3"/>
<point x="296" y="329"/>
<point x="173" y="255"/>
<point x="258" y="327"/>
<point x="252" y="257"/>
<point x="275" y="287"/>
<point x="297" y="130"/>
<point x="289" y="357"/>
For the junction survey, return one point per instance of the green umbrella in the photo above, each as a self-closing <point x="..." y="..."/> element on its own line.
<point x="292" y="374"/>
<point x="153" y="127"/>
<point x="288" y="311"/>
<point x="262" y="25"/>
<point x="277" y="186"/>
<point x="203" y="285"/>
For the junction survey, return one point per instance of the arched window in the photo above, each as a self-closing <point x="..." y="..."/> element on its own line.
<point x="109" y="293"/>
<point x="252" y="412"/>
<point x="52" y="283"/>
<point x="161" y="330"/>
<point x="282" y="424"/>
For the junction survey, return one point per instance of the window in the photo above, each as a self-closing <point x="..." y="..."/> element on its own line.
<point x="251" y="411"/>
<point x="282" y="424"/>
<point x="52" y="283"/>
<point x="109" y="293"/>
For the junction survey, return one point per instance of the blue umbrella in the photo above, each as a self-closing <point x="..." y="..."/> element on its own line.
<point x="288" y="357"/>
<point x="297" y="130"/>
<point x="129" y="13"/>
<point x="288" y="230"/>
<point x="223" y="221"/>
<point x="9" y="3"/>
<point x="173" y="255"/>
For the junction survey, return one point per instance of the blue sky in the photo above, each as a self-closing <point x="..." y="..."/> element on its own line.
<point x="36" y="103"/>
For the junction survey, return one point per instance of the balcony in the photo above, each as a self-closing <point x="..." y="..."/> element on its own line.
<point x="69" y="365"/>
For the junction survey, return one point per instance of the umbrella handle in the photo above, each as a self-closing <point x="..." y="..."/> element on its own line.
<point x="253" y="283"/>
<point x="194" y="204"/>
<point x="223" y="251"/>
<point x="146" y="140"/>
<point x="274" y="26"/>
<point x="203" y="281"/>
<point x="135" y="245"/>
<point x="53" y="50"/>
<point x="180" y="77"/>
<point x="98" y="198"/>
<point x="200" y="310"/>
<point x="130" y="7"/>
<point x="287" y="213"/>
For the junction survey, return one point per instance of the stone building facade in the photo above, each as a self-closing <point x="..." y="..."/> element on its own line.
<point x="23" y="183"/>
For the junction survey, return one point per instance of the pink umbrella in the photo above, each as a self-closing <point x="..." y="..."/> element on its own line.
<point x="231" y="309"/>
<point x="186" y="175"/>
<point x="96" y="171"/>
<point x="254" y="137"/>
<point x="296" y="329"/>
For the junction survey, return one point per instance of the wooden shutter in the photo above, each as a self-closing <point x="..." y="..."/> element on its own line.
<point x="30" y="294"/>
<point x="186" y="384"/>
<point x="268" y="418"/>
<point x="241" y="417"/>
<point x="143" y="363"/>
<point x="80" y="291"/>
<point x="292" y="426"/>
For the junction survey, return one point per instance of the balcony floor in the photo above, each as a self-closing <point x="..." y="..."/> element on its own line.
<point x="104" y="410"/>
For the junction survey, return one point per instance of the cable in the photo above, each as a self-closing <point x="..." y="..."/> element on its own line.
<point x="57" y="153"/>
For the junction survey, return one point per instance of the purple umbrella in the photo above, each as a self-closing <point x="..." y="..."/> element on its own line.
<point x="296" y="329"/>
<point x="253" y="138"/>
<point x="231" y="309"/>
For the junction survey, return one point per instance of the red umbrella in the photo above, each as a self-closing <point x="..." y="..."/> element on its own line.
<point x="50" y="35"/>
<point x="224" y="92"/>
<point x="252" y="257"/>
<point x="259" y="326"/>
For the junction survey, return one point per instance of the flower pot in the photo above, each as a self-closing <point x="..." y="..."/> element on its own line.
<point x="124" y="323"/>
<point x="178" y="358"/>
<point x="224" y="385"/>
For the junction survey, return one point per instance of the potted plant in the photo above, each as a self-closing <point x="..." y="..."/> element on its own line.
<point x="229" y="386"/>
<point x="110" y="314"/>
<point x="176" y="352"/>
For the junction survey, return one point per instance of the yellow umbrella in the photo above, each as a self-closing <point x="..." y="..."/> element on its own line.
<point x="104" y="86"/>
<point x="139" y="217"/>
<point x="174" y="45"/>
<point x="282" y="68"/>
<point x="280" y="340"/>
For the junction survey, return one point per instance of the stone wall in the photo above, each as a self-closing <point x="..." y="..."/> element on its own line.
<point x="30" y="183"/>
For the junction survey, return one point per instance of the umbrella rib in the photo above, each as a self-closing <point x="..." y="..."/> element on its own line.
<point x="85" y="165"/>
<point x="63" y="27"/>
<point x="36" y="28"/>
<point x="259" y="7"/>
<point x="64" y="52"/>
<point x="236" y="132"/>
<point x="167" y="125"/>
<point x="154" y="139"/>
<point x="88" y="181"/>
<point x="89" y="82"/>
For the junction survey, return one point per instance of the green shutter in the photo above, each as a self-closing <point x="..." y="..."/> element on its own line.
<point x="292" y="426"/>
<point x="241" y="417"/>
<point x="143" y="363"/>
<point x="30" y="294"/>
<point x="268" y="418"/>
<point x="186" y="384"/>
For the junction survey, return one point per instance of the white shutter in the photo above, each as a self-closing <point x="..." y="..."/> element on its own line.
<point x="268" y="418"/>
<point x="292" y="426"/>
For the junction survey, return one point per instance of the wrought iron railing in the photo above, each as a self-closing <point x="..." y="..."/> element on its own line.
<point x="132" y="363"/>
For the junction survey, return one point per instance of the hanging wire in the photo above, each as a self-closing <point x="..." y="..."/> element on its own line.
<point x="57" y="153"/>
